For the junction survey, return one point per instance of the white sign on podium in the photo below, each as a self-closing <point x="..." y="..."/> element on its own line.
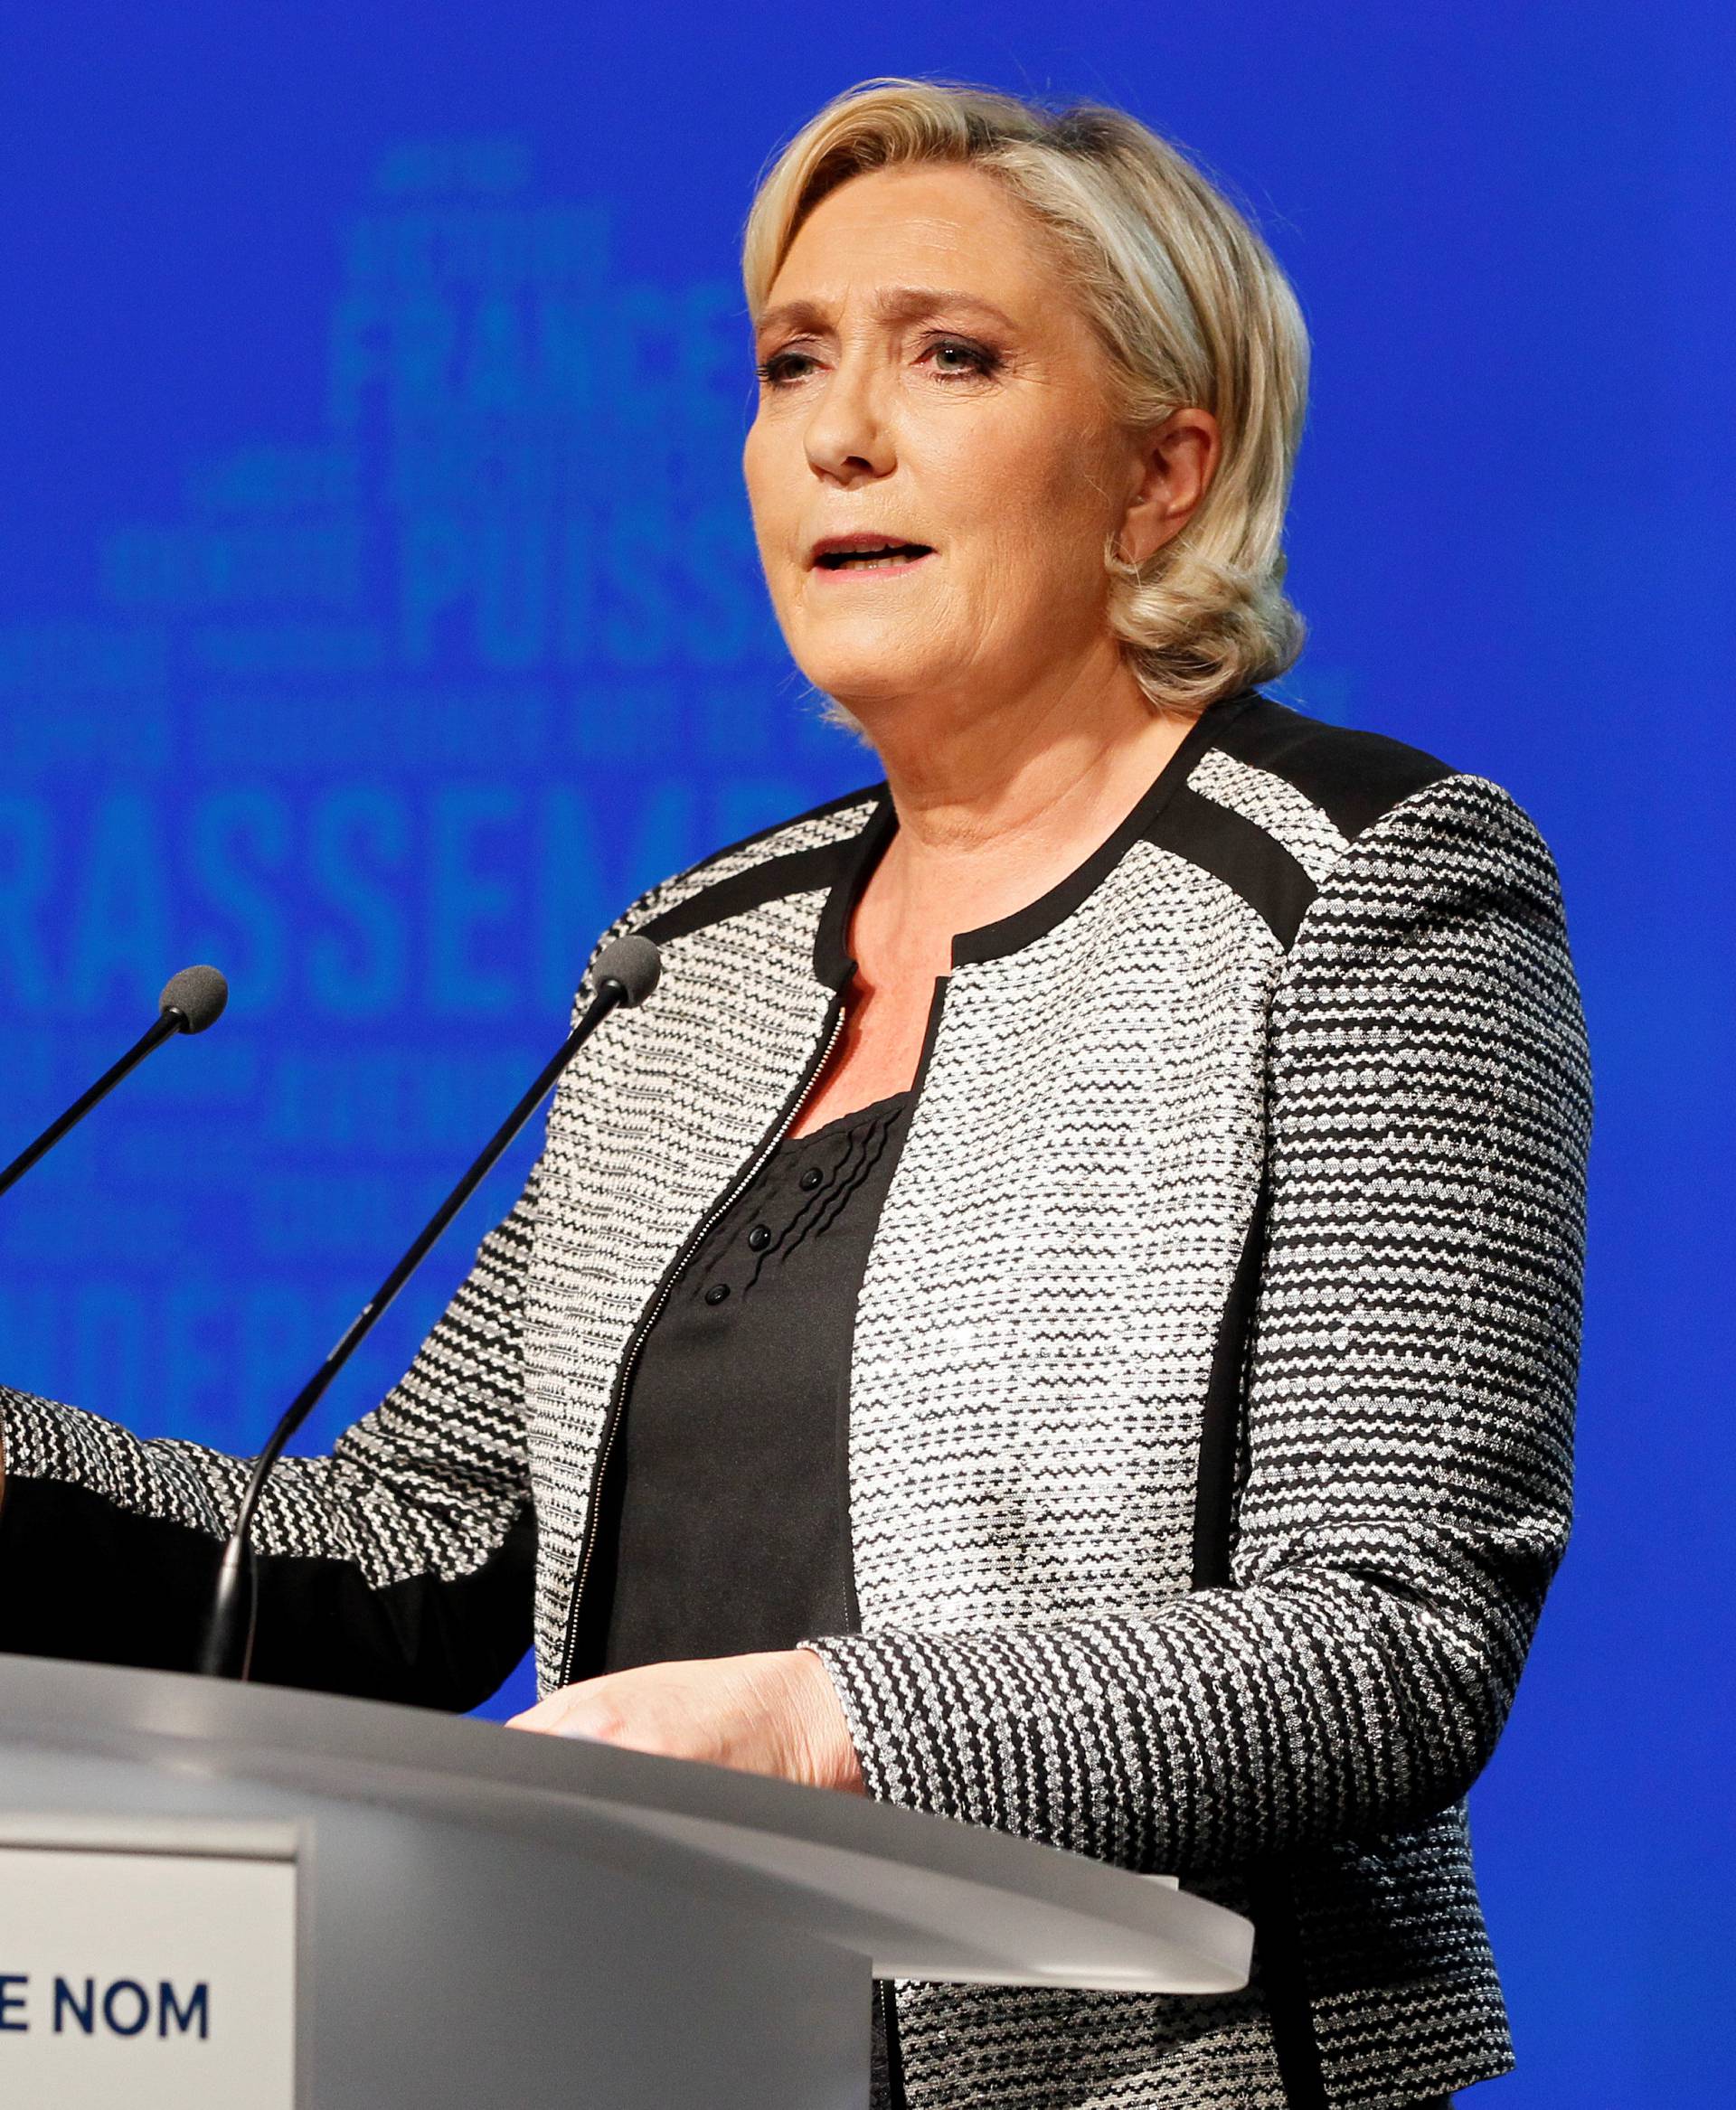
<point x="150" y="1963"/>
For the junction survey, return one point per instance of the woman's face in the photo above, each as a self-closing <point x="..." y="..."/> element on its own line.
<point x="928" y="383"/>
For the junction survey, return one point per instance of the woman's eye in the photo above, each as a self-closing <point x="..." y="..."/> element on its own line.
<point x="955" y="355"/>
<point x="784" y="367"/>
<point x="951" y="357"/>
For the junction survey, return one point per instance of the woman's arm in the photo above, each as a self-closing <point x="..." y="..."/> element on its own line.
<point x="1409" y="1403"/>
<point x="400" y="1567"/>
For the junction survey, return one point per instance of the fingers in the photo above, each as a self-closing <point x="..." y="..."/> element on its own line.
<point x="600" y="1711"/>
<point x="775" y="1713"/>
<point x="673" y="1710"/>
<point x="561" y="1714"/>
<point x="541" y="1717"/>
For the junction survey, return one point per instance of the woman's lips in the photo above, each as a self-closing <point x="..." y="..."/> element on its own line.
<point x="871" y="563"/>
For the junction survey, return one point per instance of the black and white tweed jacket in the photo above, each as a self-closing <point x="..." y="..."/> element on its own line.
<point x="1209" y="1410"/>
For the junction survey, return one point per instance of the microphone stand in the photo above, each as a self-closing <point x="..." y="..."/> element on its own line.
<point x="165" y="1028"/>
<point x="227" y="1651"/>
<point x="192" y="1000"/>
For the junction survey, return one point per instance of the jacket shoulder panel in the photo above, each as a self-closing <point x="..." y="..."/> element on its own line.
<point x="792" y="856"/>
<point x="1245" y="851"/>
<point x="1352" y="777"/>
<point x="834" y="820"/>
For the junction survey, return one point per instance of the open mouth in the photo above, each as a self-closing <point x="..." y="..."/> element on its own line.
<point x="870" y="553"/>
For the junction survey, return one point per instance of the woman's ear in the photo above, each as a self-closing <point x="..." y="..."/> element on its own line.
<point x="1176" y="463"/>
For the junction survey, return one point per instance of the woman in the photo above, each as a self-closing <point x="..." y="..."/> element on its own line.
<point x="1062" y="1310"/>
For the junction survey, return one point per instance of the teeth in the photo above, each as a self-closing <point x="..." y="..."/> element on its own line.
<point x="887" y="553"/>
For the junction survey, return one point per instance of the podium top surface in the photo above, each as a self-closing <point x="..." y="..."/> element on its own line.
<point x="923" y="1897"/>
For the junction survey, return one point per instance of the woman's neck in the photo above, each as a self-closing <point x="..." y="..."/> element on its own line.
<point x="996" y="807"/>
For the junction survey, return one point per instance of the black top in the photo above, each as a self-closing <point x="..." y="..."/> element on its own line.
<point x="723" y="1519"/>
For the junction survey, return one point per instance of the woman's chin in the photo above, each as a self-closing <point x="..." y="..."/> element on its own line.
<point x="878" y="673"/>
<point x="873" y="702"/>
<point x="871" y="650"/>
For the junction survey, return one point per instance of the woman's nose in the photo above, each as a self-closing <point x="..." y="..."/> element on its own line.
<point x="848" y="439"/>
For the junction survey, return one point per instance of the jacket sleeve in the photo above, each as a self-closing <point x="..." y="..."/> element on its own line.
<point x="400" y="1567"/>
<point x="1404" y="1496"/>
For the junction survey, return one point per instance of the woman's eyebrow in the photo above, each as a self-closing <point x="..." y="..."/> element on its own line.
<point x="905" y="304"/>
<point x="894" y="304"/>
<point x="793" y="315"/>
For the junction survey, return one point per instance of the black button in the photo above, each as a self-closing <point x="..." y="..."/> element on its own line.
<point x="812" y="1177"/>
<point x="717" y="1293"/>
<point x="758" y="1237"/>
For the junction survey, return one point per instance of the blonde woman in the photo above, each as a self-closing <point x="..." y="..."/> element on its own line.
<point x="1062" y="1311"/>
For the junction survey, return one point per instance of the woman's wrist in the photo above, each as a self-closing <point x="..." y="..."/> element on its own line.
<point x="832" y="1754"/>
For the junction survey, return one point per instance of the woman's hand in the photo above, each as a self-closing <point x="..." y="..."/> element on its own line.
<point x="774" y="1713"/>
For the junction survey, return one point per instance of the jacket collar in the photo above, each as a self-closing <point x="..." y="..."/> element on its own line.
<point x="833" y="963"/>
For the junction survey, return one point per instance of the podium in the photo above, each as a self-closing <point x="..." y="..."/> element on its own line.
<point x="360" y="1907"/>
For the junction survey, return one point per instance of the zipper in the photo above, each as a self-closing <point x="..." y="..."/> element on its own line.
<point x="649" y="1318"/>
<point x="885" y="1997"/>
<point x="886" y="2016"/>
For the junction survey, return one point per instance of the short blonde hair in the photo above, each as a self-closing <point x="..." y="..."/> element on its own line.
<point x="1190" y="307"/>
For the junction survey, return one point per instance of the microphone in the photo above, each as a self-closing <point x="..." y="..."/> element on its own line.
<point x="190" y="1001"/>
<point x="627" y="972"/>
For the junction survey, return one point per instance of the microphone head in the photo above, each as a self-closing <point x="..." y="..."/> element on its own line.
<point x="196" y="996"/>
<point x="633" y="963"/>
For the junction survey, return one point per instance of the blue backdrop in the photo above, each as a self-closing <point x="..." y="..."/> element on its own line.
<point x="378" y="612"/>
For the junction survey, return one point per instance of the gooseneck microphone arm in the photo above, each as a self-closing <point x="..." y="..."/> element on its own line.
<point x="191" y="1000"/>
<point x="626" y="974"/>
